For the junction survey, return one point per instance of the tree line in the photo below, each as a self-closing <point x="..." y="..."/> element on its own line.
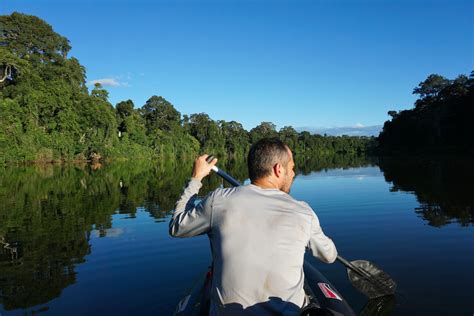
<point x="47" y="112"/>
<point x="441" y="120"/>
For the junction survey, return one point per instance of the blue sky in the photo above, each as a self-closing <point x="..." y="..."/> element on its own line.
<point x="300" y="63"/>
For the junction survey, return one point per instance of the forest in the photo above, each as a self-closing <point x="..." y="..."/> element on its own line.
<point x="440" y="122"/>
<point x="47" y="112"/>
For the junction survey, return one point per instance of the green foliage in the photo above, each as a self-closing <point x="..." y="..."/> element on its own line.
<point x="46" y="92"/>
<point x="160" y="114"/>
<point x="31" y="38"/>
<point x="100" y="93"/>
<point x="124" y="108"/>
<point x="236" y="139"/>
<point x="290" y="137"/>
<point x="264" y="130"/>
<point x="48" y="114"/>
<point x="440" y="122"/>
<point x="432" y="86"/>
<point x="11" y="67"/>
<point x="207" y="132"/>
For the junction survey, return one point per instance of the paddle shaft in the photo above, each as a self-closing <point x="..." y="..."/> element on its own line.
<point x="226" y="177"/>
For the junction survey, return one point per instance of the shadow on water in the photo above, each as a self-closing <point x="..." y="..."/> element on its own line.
<point x="442" y="186"/>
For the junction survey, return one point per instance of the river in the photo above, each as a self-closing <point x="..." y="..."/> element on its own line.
<point x="93" y="239"/>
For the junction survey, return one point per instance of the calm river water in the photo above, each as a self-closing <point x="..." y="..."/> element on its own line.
<point x="93" y="240"/>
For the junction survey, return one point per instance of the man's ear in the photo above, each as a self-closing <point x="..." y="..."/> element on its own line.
<point x="277" y="169"/>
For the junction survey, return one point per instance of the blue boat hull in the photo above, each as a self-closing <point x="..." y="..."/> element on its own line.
<point x="324" y="299"/>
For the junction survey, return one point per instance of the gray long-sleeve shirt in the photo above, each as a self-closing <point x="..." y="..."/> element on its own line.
<point x="258" y="238"/>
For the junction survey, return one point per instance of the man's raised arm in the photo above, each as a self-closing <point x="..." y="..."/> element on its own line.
<point x="188" y="218"/>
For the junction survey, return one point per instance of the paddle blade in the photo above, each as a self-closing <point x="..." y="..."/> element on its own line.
<point x="370" y="280"/>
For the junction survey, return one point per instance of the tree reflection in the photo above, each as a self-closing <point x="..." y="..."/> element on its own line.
<point x="443" y="186"/>
<point x="48" y="214"/>
<point x="307" y="164"/>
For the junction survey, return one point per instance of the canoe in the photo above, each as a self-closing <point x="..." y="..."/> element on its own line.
<point x="323" y="297"/>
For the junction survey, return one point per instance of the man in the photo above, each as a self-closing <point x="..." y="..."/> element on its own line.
<point x="258" y="234"/>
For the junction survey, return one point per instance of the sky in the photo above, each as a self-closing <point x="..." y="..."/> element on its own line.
<point x="308" y="64"/>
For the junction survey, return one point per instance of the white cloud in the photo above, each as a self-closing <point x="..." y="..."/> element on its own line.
<point x="106" y="82"/>
<point x="359" y="125"/>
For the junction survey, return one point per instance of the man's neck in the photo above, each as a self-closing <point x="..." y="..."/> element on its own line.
<point x="266" y="183"/>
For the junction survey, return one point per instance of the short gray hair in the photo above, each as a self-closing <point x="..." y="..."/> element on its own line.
<point x="264" y="154"/>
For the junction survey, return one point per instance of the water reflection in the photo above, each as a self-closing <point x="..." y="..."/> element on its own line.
<point x="442" y="186"/>
<point x="306" y="164"/>
<point x="48" y="214"/>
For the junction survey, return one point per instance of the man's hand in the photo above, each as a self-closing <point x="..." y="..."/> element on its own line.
<point x="202" y="168"/>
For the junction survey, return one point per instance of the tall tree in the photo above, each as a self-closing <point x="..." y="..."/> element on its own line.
<point x="290" y="136"/>
<point x="207" y="132"/>
<point x="124" y="110"/>
<point x="160" y="114"/>
<point x="265" y="129"/>
<point x="31" y="38"/>
<point x="236" y="138"/>
<point x="440" y="121"/>
<point x="100" y="93"/>
<point x="429" y="89"/>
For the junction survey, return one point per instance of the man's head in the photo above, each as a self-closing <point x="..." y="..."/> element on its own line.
<point x="270" y="160"/>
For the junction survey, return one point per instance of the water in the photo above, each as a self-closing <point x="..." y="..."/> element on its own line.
<point x="93" y="240"/>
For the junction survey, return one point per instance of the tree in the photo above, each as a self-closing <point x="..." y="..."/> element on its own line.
<point x="432" y="86"/>
<point x="31" y="38"/>
<point x="160" y="114"/>
<point x="265" y="129"/>
<point x="236" y="139"/>
<point x="207" y="132"/>
<point x="458" y="88"/>
<point x="440" y="121"/>
<point x="10" y="67"/>
<point x="124" y="110"/>
<point x="393" y="114"/>
<point x="289" y="136"/>
<point x="100" y="93"/>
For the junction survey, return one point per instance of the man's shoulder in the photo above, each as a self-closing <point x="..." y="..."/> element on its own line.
<point x="223" y="192"/>
<point x="303" y="206"/>
<point x="244" y="190"/>
<point x="232" y="193"/>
